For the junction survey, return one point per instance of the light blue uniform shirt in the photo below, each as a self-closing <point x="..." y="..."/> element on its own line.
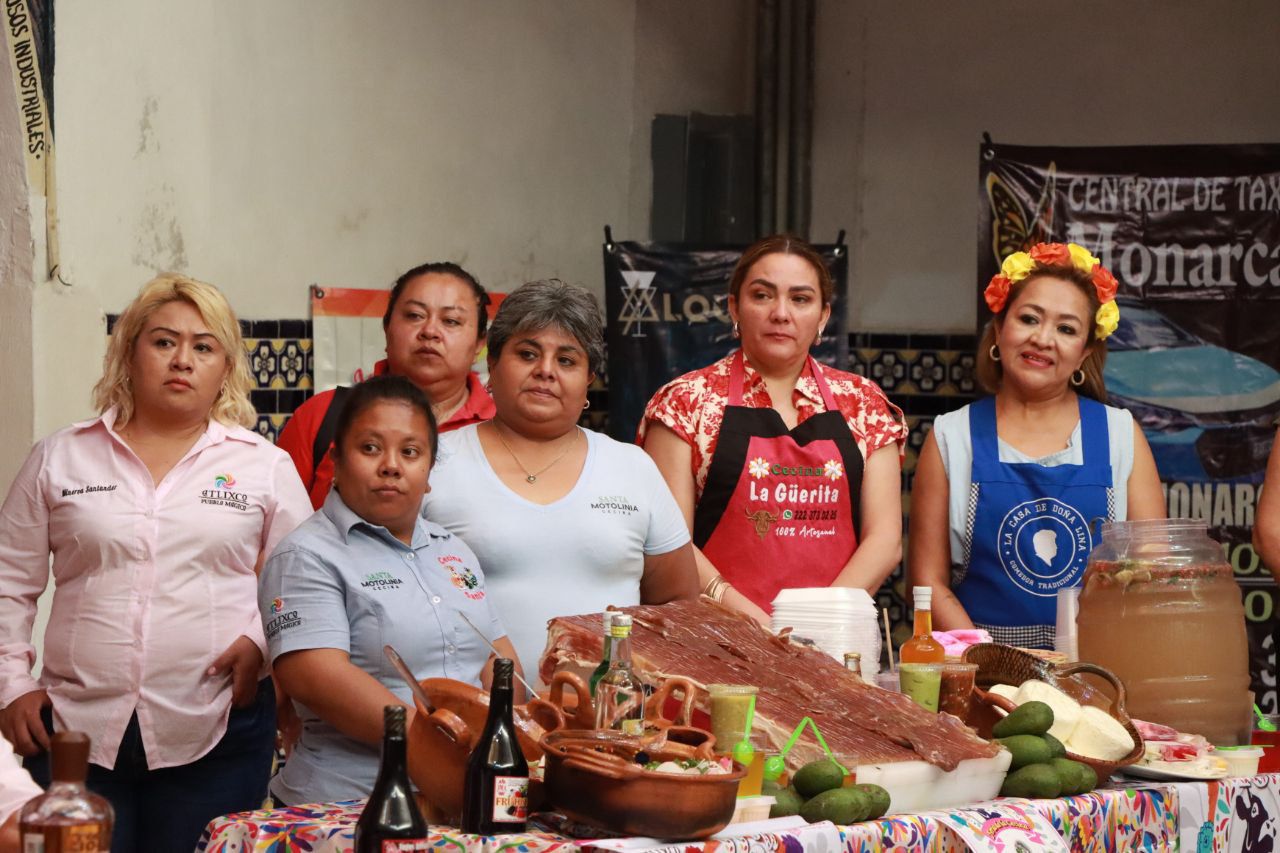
<point x="339" y="582"/>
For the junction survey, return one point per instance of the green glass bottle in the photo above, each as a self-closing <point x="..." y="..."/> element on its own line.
<point x="604" y="656"/>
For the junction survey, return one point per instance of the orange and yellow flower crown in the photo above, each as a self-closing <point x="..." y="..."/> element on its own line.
<point x="1042" y="258"/>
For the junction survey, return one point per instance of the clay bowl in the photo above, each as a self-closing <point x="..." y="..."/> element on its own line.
<point x="1000" y="664"/>
<point x="441" y="738"/>
<point x="592" y="777"/>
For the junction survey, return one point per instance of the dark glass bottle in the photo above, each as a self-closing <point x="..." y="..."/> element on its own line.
<point x="391" y="819"/>
<point x="496" y="798"/>
<point x="68" y="816"/>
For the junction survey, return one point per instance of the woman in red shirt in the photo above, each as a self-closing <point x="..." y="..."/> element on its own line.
<point x="788" y="472"/>
<point x="435" y="328"/>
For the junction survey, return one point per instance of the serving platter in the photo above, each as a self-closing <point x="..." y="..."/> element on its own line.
<point x="1146" y="771"/>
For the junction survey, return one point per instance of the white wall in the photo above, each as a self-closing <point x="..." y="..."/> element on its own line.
<point x="267" y="146"/>
<point x="907" y="88"/>
<point x="17" y="414"/>
<point x="690" y="57"/>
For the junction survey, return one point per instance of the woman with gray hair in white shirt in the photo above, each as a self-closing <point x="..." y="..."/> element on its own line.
<point x="563" y="519"/>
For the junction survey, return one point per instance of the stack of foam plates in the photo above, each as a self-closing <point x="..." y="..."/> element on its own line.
<point x="837" y="619"/>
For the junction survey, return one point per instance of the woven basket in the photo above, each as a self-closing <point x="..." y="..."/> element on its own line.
<point x="999" y="664"/>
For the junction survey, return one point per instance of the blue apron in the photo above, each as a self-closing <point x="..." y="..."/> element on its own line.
<point x="1029" y="528"/>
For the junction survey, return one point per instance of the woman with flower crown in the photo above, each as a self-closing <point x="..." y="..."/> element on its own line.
<point x="788" y="471"/>
<point x="1006" y="489"/>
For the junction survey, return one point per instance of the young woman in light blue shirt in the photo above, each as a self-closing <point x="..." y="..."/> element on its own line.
<point x="365" y="571"/>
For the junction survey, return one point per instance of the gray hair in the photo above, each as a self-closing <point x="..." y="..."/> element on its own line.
<point x="551" y="304"/>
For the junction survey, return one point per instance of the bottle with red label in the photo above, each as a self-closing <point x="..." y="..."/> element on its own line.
<point x="67" y="817"/>
<point x="496" y="795"/>
<point x="391" y="820"/>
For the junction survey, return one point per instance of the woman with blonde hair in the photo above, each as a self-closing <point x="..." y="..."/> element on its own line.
<point x="1006" y="489"/>
<point x="157" y="514"/>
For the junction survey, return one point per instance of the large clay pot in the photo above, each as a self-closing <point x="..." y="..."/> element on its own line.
<point x="592" y="776"/>
<point x="441" y="737"/>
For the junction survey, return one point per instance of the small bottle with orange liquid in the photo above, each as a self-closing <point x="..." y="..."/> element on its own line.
<point x="922" y="647"/>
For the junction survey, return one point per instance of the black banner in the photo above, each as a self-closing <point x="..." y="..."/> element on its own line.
<point x="1192" y="233"/>
<point x="667" y="313"/>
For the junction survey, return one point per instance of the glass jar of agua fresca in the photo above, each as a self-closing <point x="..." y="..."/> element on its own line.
<point x="1160" y="607"/>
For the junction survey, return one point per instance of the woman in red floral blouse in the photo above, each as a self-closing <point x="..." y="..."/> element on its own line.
<point x="788" y="472"/>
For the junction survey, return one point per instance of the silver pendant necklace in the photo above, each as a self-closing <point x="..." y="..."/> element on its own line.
<point x="532" y="476"/>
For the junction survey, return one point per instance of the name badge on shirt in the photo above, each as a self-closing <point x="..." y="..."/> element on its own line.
<point x="88" y="490"/>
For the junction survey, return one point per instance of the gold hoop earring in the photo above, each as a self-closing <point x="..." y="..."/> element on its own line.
<point x="994" y="352"/>
<point x="586" y="405"/>
<point x="1077" y="378"/>
<point x="736" y="333"/>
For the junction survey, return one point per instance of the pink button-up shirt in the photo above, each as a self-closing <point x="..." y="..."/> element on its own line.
<point x="152" y="582"/>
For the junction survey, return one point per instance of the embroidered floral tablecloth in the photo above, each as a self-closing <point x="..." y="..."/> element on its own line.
<point x="1106" y="820"/>
<point x="1201" y="817"/>
<point x="330" y="828"/>
<point x="1230" y="815"/>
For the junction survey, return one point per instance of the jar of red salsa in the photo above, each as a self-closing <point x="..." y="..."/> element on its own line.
<point x="1161" y="609"/>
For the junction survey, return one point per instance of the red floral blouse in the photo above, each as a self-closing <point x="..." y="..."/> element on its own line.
<point x="692" y="406"/>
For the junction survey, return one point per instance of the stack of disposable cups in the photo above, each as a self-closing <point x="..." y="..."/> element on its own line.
<point x="836" y="619"/>
<point x="1066" y="638"/>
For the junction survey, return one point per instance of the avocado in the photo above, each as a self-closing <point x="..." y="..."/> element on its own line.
<point x="769" y="787"/>
<point x="1088" y="778"/>
<point x="841" y="806"/>
<point x="1036" y="781"/>
<point x="1029" y="718"/>
<point x="879" y="799"/>
<point x="818" y="776"/>
<point x="1070" y="774"/>
<point x="786" y="803"/>
<point x="1056" y="749"/>
<point x="1026" y="749"/>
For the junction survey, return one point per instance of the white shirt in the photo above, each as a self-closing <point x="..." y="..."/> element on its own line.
<point x="577" y="555"/>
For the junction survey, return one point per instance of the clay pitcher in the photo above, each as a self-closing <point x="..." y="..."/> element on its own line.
<point x="441" y="737"/>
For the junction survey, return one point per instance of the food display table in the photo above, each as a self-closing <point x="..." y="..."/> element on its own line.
<point x="1227" y="815"/>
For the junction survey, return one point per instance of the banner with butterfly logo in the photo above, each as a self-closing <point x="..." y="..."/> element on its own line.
<point x="1192" y="233"/>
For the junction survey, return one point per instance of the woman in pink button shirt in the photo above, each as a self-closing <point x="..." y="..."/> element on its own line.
<point x="157" y="514"/>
